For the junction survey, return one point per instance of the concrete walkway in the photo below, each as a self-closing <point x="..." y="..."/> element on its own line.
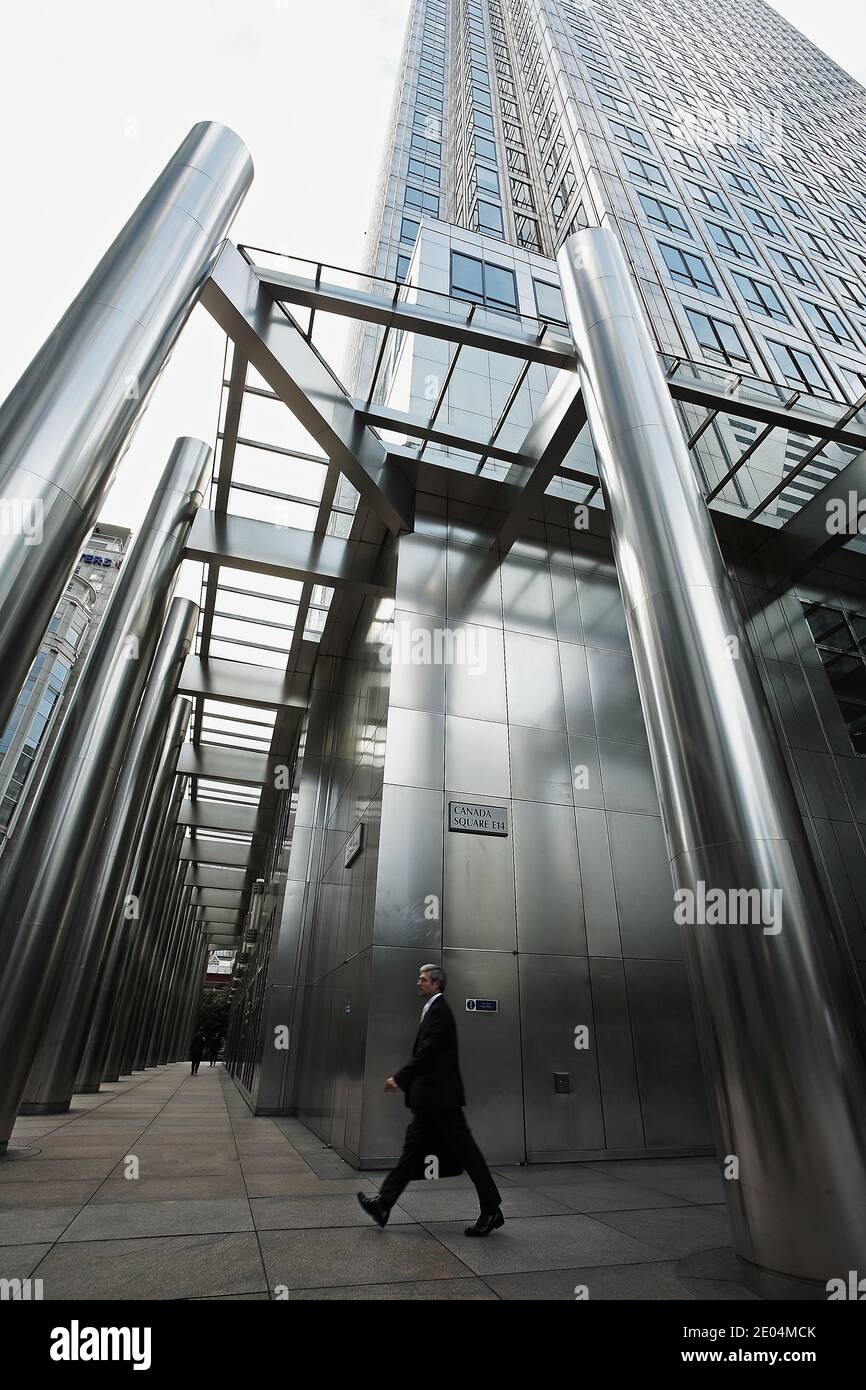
<point x="164" y="1186"/>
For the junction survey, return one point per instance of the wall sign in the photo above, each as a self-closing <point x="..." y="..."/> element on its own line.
<point x="482" y="1006"/>
<point x="354" y="844"/>
<point x="477" y="819"/>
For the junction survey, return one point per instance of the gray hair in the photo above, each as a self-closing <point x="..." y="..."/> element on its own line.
<point x="436" y="973"/>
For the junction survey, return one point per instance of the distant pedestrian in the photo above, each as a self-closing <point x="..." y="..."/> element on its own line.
<point x="214" y="1046"/>
<point x="196" y="1052"/>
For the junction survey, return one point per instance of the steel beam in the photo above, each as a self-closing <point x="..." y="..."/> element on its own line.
<point x="218" y="815"/>
<point x="274" y="345"/>
<point x="285" y="551"/>
<point x="559" y="421"/>
<point x="241" y="683"/>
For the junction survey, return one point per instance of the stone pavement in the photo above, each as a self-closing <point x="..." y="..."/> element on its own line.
<point x="230" y="1206"/>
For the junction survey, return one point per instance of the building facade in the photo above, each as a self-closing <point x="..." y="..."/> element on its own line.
<point x="29" y="733"/>
<point x="726" y="153"/>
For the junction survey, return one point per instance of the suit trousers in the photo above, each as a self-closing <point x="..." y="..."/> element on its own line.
<point x="450" y="1127"/>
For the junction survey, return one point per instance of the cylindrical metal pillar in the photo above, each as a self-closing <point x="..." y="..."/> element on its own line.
<point x="174" y="916"/>
<point x="98" y="918"/>
<point x="53" y="849"/>
<point x="127" y="943"/>
<point x="63" y="426"/>
<point x="158" y="931"/>
<point x="168" y="1020"/>
<point x="122" y="1048"/>
<point x="781" y="1039"/>
<point x="162" y="990"/>
<point x="182" y="1028"/>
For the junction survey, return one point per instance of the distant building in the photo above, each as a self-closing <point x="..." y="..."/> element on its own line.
<point x="31" y="730"/>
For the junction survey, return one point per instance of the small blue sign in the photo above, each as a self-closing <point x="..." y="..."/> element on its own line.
<point x="482" y="1006"/>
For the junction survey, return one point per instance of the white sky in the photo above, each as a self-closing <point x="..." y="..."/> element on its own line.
<point x="96" y="94"/>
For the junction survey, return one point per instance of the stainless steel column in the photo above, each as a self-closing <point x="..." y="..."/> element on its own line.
<point x="173" y="872"/>
<point x="162" y="989"/>
<point x="63" y="426"/>
<point x="53" y="848"/>
<point x="125" y="936"/>
<point x="781" y="1039"/>
<point x="173" y="920"/>
<point x="97" y="921"/>
<point x="119" y="1060"/>
<point x="163" y="1047"/>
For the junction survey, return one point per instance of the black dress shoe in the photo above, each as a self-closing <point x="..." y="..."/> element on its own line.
<point x="488" y="1221"/>
<point x="373" y="1207"/>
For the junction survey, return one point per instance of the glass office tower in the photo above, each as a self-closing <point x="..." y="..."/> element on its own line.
<point x="724" y="149"/>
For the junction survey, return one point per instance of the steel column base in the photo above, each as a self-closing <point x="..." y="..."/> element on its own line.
<point x="44" y="1107"/>
<point x="86" y="1090"/>
<point x="777" y="1287"/>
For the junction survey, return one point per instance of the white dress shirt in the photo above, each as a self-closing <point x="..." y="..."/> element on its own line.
<point x="431" y="1000"/>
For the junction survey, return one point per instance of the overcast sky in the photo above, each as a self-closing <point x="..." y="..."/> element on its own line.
<point x="96" y="94"/>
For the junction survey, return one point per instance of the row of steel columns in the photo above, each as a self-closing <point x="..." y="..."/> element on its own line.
<point x="101" y="950"/>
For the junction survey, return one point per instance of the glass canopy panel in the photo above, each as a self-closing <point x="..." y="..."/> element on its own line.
<point x="268" y="584"/>
<point x="277" y="510"/>
<point x="253" y="656"/>
<point x="280" y="473"/>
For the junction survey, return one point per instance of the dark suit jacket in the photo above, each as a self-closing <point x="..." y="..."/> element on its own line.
<point x="431" y="1079"/>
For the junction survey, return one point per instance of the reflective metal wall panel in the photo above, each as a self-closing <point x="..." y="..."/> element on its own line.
<point x="475" y="678"/>
<point x="490" y="1059"/>
<point x="474" y="586"/>
<point x="415" y="749"/>
<point x="540" y="769"/>
<point x="479" y="901"/>
<point x="627" y="775"/>
<point x="416" y="681"/>
<point x="534" y="682"/>
<point x="421" y="575"/>
<point x="601" y="611"/>
<point x="476" y="758"/>
<point x="410" y="868"/>
<point x="668" y="1066"/>
<point x="549" y="898"/>
<point x="596" y="874"/>
<point x="615" y="697"/>
<point x="555" y="1001"/>
<point x="527" y="597"/>
<point x="644" y="892"/>
<point x="620" y="1093"/>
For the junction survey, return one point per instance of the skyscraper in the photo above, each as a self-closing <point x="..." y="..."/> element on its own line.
<point x="725" y="150"/>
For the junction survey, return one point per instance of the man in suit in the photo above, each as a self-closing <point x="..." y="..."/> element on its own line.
<point x="434" y="1093"/>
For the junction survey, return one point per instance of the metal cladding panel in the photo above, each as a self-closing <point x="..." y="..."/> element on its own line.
<point x="601" y="611"/>
<point x="416" y="683"/>
<point x="474" y="586"/>
<point x="490" y="1060"/>
<point x="644" y="890"/>
<point x="549" y="899"/>
<point x="596" y="877"/>
<point x="421" y="575"/>
<point x="579" y="717"/>
<point x="527" y="597"/>
<point x="555" y="1000"/>
<point x="627" y="777"/>
<point x="476" y="758"/>
<point x="540" y="769"/>
<point x="615" y="696"/>
<point x="534" y="682"/>
<point x="393" y="1019"/>
<point x="355" y="1046"/>
<point x="410" y="868"/>
<point x="475" y="687"/>
<point x="668" y="1065"/>
<point x="478" y="901"/>
<point x="617" y="1069"/>
<point x="415" y="749"/>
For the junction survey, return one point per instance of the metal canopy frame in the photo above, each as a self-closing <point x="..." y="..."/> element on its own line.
<point x="248" y="708"/>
